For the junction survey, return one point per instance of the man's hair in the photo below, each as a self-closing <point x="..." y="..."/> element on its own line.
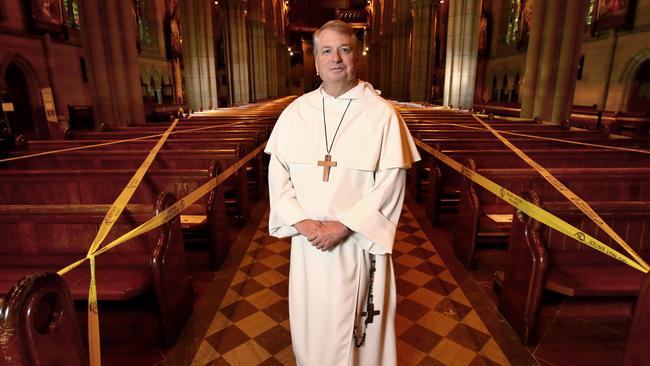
<point x="337" y="26"/>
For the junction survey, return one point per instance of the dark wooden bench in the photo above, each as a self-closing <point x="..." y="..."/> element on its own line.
<point x="146" y="144"/>
<point x="479" y="134"/>
<point x="520" y="142"/>
<point x="478" y="215"/>
<point x="632" y="124"/>
<point x="50" y="237"/>
<point x="103" y="186"/>
<point x="475" y="126"/>
<point x="637" y="351"/>
<point x="251" y="175"/>
<point x="38" y="324"/>
<point x="439" y="186"/>
<point x="541" y="258"/>
<point x="185" y="133"/>
<point x="510" y="111"/>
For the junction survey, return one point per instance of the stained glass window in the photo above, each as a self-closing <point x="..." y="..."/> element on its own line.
<point x="144" y="32"/>
<point x="71" y="10"/>
<point x="514" y="14"/>
<point x="591" y="12"/>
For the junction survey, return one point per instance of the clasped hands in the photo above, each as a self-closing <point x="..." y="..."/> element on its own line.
<point x="323" y="235"/>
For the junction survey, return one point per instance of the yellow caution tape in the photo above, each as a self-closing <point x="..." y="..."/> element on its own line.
<point x="111" y="217"/>
<point x="506" y="118"/>
<point x="93" y="318"/>
<point x="566" y="192"/>
<point x="125" y="196"/>
<point x="175" y="209"/>
<point x="172" y="210"/>
<point x="530" y="209"/>
<point x="114" y="142"/>
<point x="158" y="220"/>
<point x="606" y="147"/>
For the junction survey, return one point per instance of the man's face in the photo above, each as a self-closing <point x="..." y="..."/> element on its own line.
<point x="336" y="58"/>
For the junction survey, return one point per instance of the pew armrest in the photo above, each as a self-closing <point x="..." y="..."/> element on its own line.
<point x="170" y="277"/>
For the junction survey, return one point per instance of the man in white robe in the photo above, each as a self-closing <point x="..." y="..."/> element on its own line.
<point x="339" y="212"/>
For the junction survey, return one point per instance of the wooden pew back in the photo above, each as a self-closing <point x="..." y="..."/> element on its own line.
<point x="39" y="325"/>
<point x="52" y="236"/>
<point x="538" y="259"/>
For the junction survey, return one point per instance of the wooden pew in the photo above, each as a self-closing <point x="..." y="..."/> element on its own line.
<point x="174" y="144"/>
<point x="249" y="178"/>
<point x="540" y="258"/>
<point x="423" y="127"/>
<point x="467" y="133"/>
<point x="103" y="186"/>
<point x="637" y="351"/>
<point x="520" y="142"/>
<point x="446" y="182"/>
<point x="131" y="133"/>
<point x="49" y="237"/>
<point x="591" y="184"/>
<point x="38" y="324"/>
<point x="499" y="110"/>
<point x="632" y="124"/>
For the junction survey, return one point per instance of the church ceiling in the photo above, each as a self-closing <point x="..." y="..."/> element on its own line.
<point x="309" y="15"/>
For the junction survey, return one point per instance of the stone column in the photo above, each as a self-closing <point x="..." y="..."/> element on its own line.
<point x="401" y="28"/>
<point x="385" y="67"/>
<point x="311" y="82"/>
<point x="462" y="51"/>
<point x="422" y="50"/>
<point x="271" y="62"/>
<point x="551" y="67"/>
<point x="282" y="68"/>
<point x="529" y="81"/>
<point x="551" y="37"/>
<point x="97" y="41"/>
<point x="199" y="63"/>
<point x="178" y="81"/>
<point x="237" y="51"/>
<point x="385" y="52"/>
<point x="256" y="41"/>
<point x="569" y="56"/>
<point x="61" y="107"/>
<point x="612" y="42"/>
<point x="129" y="34"/>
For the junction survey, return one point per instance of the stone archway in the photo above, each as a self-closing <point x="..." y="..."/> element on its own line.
<point x="21" y="120"/>
<point x="639" y="98"/>
<point x="20" y="85"/>
<point x="630" y="78"/>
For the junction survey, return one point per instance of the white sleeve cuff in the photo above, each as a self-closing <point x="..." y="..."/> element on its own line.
<point x="371" y="224"/>
<point x="284" y="214"/>
<point x="367" y="244"/>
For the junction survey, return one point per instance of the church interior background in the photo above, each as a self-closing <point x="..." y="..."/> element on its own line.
<point x="97" y="65"/>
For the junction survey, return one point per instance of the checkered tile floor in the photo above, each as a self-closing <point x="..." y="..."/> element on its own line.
<point x="435" y="324"/>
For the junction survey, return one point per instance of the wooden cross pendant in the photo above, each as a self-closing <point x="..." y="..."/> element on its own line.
<point x="326" y="164"/>
<point x="371" y="313"/>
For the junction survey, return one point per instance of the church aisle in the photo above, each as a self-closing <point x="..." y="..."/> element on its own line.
<point x="436" y="324"/>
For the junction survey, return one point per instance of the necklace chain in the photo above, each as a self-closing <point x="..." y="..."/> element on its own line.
<point x="328" y="148"/>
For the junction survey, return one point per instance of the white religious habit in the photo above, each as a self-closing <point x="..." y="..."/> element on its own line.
<point x="364" y="190"/>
